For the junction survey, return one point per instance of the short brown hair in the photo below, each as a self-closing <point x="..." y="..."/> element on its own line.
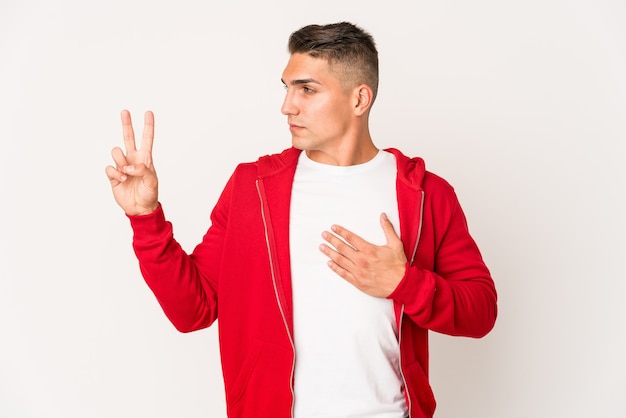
<point x="343" y="43"/>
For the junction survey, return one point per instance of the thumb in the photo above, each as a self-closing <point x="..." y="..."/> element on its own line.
<point x="147" y="175"/>
<point x="388" y="229"/>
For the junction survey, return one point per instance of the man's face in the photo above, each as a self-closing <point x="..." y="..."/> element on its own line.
<point x="319" y="109"/>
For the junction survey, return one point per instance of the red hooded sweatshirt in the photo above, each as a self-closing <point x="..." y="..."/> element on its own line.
<point x="240" y="273"/>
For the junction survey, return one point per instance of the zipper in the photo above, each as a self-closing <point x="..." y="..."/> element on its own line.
<point x="417" y="240"/>
<point x="419" y="228"/>
<point x="406" y="386"/>
<point x="259" y="187"/>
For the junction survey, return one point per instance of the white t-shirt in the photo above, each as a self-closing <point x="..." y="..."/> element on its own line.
<point x="347" y="351"/>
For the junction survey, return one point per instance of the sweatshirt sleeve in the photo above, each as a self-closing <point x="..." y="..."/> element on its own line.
<point x="185" y="288"/>
<point x="450" y="290"/>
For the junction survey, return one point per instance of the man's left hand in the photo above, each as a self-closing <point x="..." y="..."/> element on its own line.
<point x="375" y="270"/>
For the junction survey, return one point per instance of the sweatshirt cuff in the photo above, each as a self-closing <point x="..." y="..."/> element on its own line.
<point x="152" y="223"/>
<point x="412" y="287"/>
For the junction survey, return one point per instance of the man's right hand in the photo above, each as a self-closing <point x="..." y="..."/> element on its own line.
<point x="133" y="179"/>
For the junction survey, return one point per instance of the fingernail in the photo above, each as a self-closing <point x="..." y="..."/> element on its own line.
<point x="129" y="169"/>
<point x="123" y="178"/>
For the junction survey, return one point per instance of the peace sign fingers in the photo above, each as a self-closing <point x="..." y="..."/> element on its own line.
<point x="133" y="179"/>
<point x="128" y="132"/>
<point x="148" y="132"/>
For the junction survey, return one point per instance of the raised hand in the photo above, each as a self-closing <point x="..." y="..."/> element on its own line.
<point x="374" y="269"/>
<point x="133" y="179"/>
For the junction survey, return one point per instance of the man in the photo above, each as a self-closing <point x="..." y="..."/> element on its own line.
<point x="326" y="264"/>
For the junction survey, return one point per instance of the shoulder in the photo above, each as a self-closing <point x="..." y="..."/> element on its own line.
<point x="438" y="192"/>
<point x="413" y="171"/>
<point x="435" y="183"/>
<point x="269" y="164"/>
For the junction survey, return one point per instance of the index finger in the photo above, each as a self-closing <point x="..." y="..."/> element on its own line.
<point x="127" y="130"/>
<point x="148" y="132"/>
<point x="350" y="237"/>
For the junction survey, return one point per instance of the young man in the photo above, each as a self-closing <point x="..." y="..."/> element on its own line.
<point x="326" y="264"/>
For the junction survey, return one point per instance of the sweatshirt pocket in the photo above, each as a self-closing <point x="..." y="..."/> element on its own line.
<point x="263" y="384"/>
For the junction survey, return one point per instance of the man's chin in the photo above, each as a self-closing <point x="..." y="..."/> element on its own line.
<point x="298" y="143"/>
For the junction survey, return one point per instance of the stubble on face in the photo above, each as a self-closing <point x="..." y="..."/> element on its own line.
<point x="317" y="105"/>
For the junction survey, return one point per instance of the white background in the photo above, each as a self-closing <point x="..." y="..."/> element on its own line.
<point x="521" y="105"/>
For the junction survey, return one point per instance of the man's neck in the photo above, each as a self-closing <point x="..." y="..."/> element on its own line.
<point x="346" y="155"/>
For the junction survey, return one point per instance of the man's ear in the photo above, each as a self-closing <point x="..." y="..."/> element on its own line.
<point x="364" y="97"/>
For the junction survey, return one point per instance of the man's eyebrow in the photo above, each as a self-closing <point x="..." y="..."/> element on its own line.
<point x="301" y="81"/>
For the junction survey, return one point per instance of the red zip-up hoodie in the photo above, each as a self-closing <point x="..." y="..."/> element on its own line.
<point x="240" y="274"/>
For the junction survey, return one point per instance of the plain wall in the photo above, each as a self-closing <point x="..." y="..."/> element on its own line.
<point x="521" y="105"/>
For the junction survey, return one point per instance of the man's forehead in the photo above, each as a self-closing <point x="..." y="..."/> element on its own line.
<point x="305" y="67"/>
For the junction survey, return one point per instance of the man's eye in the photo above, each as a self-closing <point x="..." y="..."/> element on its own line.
<point x="307" y="89"/>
